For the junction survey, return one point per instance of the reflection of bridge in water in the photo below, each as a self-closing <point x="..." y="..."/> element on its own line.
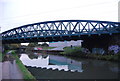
<point x="91" y="32"/>
<point x="50" y="62"/>
<point x="84" y="68"/>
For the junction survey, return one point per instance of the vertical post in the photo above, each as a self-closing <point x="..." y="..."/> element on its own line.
<point x="1" y="55"/>
<point x="119" y="21"/>
<point x="119" y="11"/>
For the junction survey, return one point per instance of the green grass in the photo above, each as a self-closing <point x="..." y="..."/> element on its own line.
<point x="108" y="57"/>
<point x="77" y="52"/>
<point x="26" y="74"/>
<point x="74" y="51"/>
<point x="46" y="48"/>
<point x="0" y="57"/>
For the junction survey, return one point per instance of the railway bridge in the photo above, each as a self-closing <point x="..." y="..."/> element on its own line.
<point x="99" y="34"/>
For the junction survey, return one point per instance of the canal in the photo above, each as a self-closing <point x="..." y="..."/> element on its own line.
<point x="47" y="66"/>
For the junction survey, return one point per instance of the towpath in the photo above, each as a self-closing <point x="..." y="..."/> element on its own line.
<point x="10" y="70"/>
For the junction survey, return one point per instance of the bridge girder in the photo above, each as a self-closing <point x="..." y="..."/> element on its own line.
<point x="59" y="31"/>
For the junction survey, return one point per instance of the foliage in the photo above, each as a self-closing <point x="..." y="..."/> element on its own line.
<point x="0" y="56"/>
<point x="11" y="46"/>
<point x="45" y="48"/>
<point x="78" y="52"/>
<point x="32" y="56"/>
<point x="44" y="45"/>
<point x="32" y="44"/>
<point x="74" y="51"/>
<point x="26" y="74"/>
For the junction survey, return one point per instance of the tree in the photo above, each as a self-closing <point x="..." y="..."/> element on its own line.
<point x="11" y="46"/>
<point x="33" y="44"/>
<point x="44" y="44"/>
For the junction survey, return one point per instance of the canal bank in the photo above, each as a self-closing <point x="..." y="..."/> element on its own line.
<point x="84" y="53"/>
<point x="10" y="70"/>
<point x="13" y="69"/>
<point x="77" y="51"/>
<point x="26" y="74"/>
<point x="79" y="54"/>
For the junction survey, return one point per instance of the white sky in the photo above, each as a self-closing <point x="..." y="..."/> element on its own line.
<point x="14" y="13"/>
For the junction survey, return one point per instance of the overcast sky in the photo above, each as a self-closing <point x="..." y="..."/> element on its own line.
<point x="15" y="13"/>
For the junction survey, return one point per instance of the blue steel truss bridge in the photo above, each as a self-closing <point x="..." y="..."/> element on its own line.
<point x="60" y="30"/>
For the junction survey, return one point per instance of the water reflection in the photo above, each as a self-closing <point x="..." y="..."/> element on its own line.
<point x="38" y="62"/>
<point x="85" y="67"/>
<point x="50" y="61"/>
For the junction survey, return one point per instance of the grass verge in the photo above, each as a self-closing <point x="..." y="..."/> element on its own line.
<point x="77" y="52"/>
<point x="2" y="55"/>
<point x="46" y="48"/>
<point x="27" y="76"/>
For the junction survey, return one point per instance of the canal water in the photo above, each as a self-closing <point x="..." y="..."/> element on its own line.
<point x="47" y="66"/>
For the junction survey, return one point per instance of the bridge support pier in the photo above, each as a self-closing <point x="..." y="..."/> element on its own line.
<point x="103" y="42"/>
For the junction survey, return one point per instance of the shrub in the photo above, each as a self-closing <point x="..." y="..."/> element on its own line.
<point x="74" y="51"/>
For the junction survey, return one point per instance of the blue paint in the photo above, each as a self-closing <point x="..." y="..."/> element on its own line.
<point x="61" y="30"/>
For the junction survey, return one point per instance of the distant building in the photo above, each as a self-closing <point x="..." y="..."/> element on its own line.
<point x="65" y="43"/>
